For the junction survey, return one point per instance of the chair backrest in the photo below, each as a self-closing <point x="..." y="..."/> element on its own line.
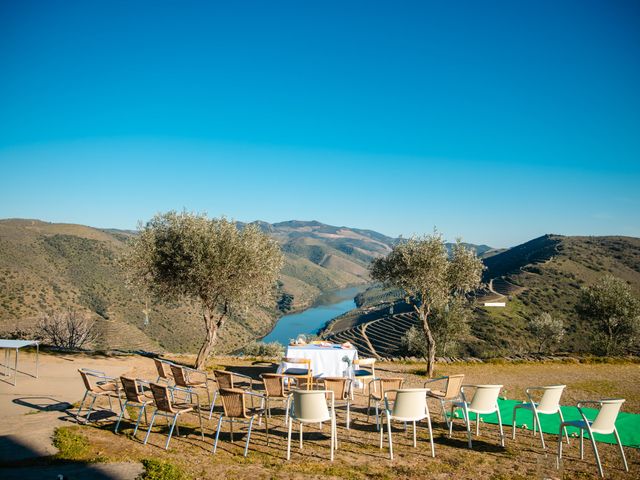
<point x="131" y="390"/>
<point x="365" y="362"/>
<point x="410" y="404"/>
<point x="338" y="385"/>
<point x="485" y="398"/>
<point x="161" y="368"/>
<point x="273" y="384"/>
<point x="550" y="401"/>
<point x="298" y="361"/>
<point x="224" y="379"/>
<point x="161" y="397"/>
<point x="233" y="402"/>
<point x="310" y="406"/>
<point x="390" y="385"/>
<point x="87" y="375"/>
<point x="85" y="379"/>
<point x="178" y="375"/>
<point x="606" y="419"/>
<point x="454" y="384"/>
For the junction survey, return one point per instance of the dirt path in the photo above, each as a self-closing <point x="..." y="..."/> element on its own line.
<point x="33" y="409"/>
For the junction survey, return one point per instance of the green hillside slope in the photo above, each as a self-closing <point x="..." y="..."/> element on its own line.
<point x="47" y="267"/>
<point x="545" y="274"/>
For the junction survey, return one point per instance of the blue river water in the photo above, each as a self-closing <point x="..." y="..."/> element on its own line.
<point x="328" y="306"/>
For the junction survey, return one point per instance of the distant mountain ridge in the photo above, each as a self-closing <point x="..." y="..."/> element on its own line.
<point x="545" y="274"/>
<point x="48" y="267"/>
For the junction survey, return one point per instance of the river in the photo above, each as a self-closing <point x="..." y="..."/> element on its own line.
<point x="328" y="306"/>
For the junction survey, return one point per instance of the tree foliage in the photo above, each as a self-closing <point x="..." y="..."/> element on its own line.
<point x="614" y="313"/>
<point x="190" y="257"/>
<point x="547" y="330"/>
<point x="432" y="280"/>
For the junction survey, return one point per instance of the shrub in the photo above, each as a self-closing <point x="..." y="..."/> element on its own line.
<point x="548" y="331"/>
<point x="261" y="349"/>
<point x="67" y="330"/>
<point x="159" y="470"/>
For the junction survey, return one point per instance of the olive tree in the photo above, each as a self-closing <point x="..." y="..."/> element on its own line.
<point x="547" y="330"/>
<point x="430" y="278"/>
<point x="614" y="313"/>
<point x="222" y="268"/>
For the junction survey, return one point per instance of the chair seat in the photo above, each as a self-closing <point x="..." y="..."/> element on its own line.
<point x="529" y="406"/>
<point x="197" y="384"/>
<point x="182" y="407"/>
<point x="104" y="388"/>
<point x="296" y="371"/>
<point x="363" y="373"/>
<point x="436" y="394"/>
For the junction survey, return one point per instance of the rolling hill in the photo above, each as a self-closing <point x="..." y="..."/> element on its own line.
<point x="544" y="274"/>
<point x="46" y="267"/>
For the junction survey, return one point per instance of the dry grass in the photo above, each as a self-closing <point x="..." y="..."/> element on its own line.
<point x="359" y="457"/>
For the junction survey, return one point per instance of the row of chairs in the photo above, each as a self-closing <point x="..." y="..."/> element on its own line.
<point x="309" y="400"/>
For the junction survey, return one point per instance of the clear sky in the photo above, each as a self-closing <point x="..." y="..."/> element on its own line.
<point x="494" y="121"/>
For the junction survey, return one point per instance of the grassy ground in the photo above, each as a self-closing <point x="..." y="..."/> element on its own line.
<point x="359" y="455"/>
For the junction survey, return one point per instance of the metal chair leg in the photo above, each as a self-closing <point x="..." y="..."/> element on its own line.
<point x="246" y="447"/>
<point x="142" y="409"/>
<point x="501" y="430"/>
<point x="81" y="404"/>
<point x="624" y="459"/>
<point x="120" y="418"/>
<point x="215" y="443"/>
<point x="91" y="408"/>
<point x="153" y="419"/>
<point x="173" y="424"/>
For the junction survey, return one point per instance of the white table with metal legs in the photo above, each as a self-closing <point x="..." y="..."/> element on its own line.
<point x="8" y="345"/>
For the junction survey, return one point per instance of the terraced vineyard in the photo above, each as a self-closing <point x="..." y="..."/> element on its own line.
<point x="380" y="338"/>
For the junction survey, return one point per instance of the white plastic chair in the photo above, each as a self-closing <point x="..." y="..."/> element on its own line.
<point x="484" y="402"/>
<point x="549" y="404"/>
<point x="310" y="406"/>
<point x="604" y="423"/>
<point x="410" y="405"/>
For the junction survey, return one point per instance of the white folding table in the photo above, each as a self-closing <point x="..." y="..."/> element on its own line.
<point x="8" y="345"/>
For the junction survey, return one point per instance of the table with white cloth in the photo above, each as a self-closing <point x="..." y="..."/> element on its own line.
<point x="325" y="361"/>
<point x="16" y="345"/>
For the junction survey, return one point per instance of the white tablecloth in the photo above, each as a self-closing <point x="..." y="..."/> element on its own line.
<point x="325" y="361"/>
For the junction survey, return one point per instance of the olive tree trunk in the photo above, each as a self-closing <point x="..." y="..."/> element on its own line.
<point x="212" y="325"/>
<point x="431" y="343"/>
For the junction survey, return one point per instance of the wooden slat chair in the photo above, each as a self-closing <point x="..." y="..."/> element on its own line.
<point x="303" y="374"/>
<point x="377" y="396"/>
<point x="364" y="375"/>
<point x="451" y="392"/>
<point x="190" y="379"/>
<point x="276" y="389"/>
<point x="98" y="384"/>
<point x="165" y="407"/>
<point x="163" y="367"/>
<point x="235" y="410"/>
<point x="135" y="396"/>
<point x="341" y="388"/>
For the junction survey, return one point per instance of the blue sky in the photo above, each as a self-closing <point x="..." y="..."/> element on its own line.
<point x="494" y="121"/>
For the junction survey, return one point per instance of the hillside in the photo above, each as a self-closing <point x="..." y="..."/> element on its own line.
<point x="544" y="274"/>
<point x="48" y="267"/>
